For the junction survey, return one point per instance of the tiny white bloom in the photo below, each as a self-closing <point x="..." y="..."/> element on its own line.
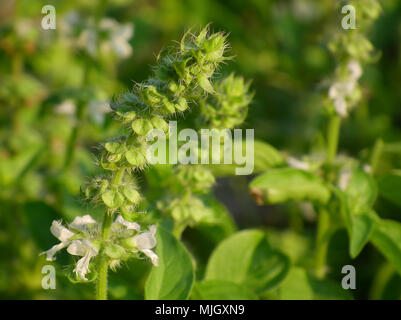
<point x="355" y="69"/>
<point x="66" y="107"/>
<point x="344" y="179"/>
<point x="298" y="164"/>
<point x="53" y="250"/>
<point x="61" y="233"/>
<point x="340" y="105"/>
<point x="80" y="223"/>
<point x="127" y="224"/>
<point x="85" y="249"/>
<point x="146" y="241"/>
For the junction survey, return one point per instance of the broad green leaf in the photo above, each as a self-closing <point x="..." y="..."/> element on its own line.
<point x="141" y="126"/>
<point x="246" y="259"/>
<point x="357" y="200"/>
<point x="174" y="277"/>
<point x="295" y="286"/>
<point x="299" y="285"/>
<point x="361" y="191"/>
<point x="361" y="228"/>
<point x="289" y="184"/>
<point x="221" y="290"/>
<point x="386" y="237"/>
<point x="390" y="188"/>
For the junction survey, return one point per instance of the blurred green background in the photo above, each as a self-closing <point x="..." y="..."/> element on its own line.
<point x="45" y="75"/>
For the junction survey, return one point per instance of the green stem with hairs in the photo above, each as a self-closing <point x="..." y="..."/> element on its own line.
<point x="101" y="284"/>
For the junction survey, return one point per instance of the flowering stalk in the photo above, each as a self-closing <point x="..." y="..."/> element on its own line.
<point x="181" y="77"/>
<point x="352" y="47"/>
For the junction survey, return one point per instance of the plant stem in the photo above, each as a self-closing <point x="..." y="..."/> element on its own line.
<point x="322" y="242"/>
<point x="101" y="285"/>
<point x="333" y="134"/>
<point x="376" y="154"/>
<point x="323" y="224"/>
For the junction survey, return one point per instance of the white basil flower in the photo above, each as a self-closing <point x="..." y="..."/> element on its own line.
<point x="86" y="250"/>
<point x="61" y="233"/>
<point x="80" y="223"/>
<point x="145" y="241"/>
<point x="355" y="69"/>
<point x="298" y="164"/>
<point x="127" y="224"/>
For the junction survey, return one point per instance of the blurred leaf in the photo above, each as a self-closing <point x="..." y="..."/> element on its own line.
<point x="221" y="290"/>
<point x="299" y="285"/>
<point x="174" y="277"/>
<point x="361" y="191"/>
<point x="390" y="188"/>
<point x="386" y="237"/>
<point x="246" y="259"/>
<point x="289" y="184"/>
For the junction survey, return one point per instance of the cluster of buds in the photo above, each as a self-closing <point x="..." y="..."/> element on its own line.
<point x="352" y="48"/>
<point x="229" y="107"/>
<point x="83" y="238"/>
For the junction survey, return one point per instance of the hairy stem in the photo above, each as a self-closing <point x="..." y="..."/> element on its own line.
<point x="101" y="285"/>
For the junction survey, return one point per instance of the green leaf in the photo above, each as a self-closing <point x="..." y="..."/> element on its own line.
<point x="112" y="198"/>
<point x="289" y="184"/>
<point x="174" y="277"/>
<point x="296" y="286"/>
<point x="361" y="191"/>
<point x="246" y="259"/>
<point x="390" y="188"/>
<point x="386" y="237"/>
<point x="221" y="290"/>
<point x="299" y="285"/>
<point x="362" y="225"/>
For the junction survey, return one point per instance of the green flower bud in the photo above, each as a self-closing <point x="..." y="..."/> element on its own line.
<point x="141" y="126"/>
<point x="131" y="194"/>
<point x="135" y="157"/>
<point x="112" y="198"/>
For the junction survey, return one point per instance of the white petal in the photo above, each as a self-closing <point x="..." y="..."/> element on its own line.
<point x="146" y="240"/>
<point x="153" y="256"/>
<point x="53" y="250"/>
<point x="82" y="267"/>
<point x="77" y="248"/>
<point x="354" y="67"/>
<point x="127" y="224"/>
<point x="344" y="179"/>
<point x="60" y="232"/>
<point x="298" y="164"/>
<point x="81" y="248"/>
<point x="341" y="107"/>
<point x="80" y="223"/>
